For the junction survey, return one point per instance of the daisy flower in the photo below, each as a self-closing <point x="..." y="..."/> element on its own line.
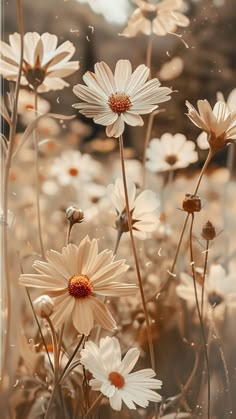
<point x="112" y="376"/>
<point x="74" y="279"/>
<point x="170" y="152"/>
<point x="231" y="104"/>
<point x="142" y="208"/>
<point x="161" y="18"/>
<point x="73" y="166"/>
<point x="44" y="63"/>
<point x="113" y="100"/>
<point x="219" y="123"/>
<point x="219" y="287"/>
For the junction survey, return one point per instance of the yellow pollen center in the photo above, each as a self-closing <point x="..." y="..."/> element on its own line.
<point x="73" y="171"/>
<point x="116" y="379"/>
<point x="119" y="102"/>
<point x="79" y="286"/>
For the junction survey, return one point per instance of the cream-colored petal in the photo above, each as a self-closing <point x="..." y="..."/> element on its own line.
<point x="116" y="129"/>
<point x="122" y="75"/>
<point x="83" y="316"/>
<point x="101" y="314"/>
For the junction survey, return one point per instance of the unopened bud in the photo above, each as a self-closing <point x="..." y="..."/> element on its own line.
<point x="74" y="215"/>
<point x="43" y="306"/>
<point x="192" y="203"/>
<point x="208" y="231"/>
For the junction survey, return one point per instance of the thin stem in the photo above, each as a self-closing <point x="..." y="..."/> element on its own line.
<point x="4" y="197"/>
<point x="146" y="142"/>
<point x="94" y="405"/>
<point x="186" y="385"/>
<point x="56" y="369"/>
<point x="40" y="331"/>
<point x="37" y="177"/>
<point x="118" y="237"/>
<point x="204" y="276"/>
<point x="200" y="319"/>
<point x="70" y="360"/>
<point x="207" y="161"/>
<point x="149" y="54"/>
<point x="148" y="327"/>
<point x="68" y="233"/>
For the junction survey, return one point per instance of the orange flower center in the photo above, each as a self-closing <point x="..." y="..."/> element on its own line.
<point x="119" y="102"/>
<point x="116" y="379"/>
<point x="79" y="286"/>
<point x="73" y="171"/>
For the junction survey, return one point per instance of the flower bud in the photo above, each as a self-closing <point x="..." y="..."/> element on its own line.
<point x="208" y="231"/>
<point x="43" y="306"/>
<point x="74" y="215"/>
<point x="191" y="203"/>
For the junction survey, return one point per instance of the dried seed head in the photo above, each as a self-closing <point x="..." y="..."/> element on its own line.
<point x="43" y="306"/>
<point x="74" y="215"/>
<point x="192" y="203"/>
<point x="208" y="231"/>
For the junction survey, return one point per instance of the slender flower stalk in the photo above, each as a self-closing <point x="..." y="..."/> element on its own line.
<point x="94" y="406"/>
<point x="146" y="142"/>
<point x="4" y="198"/>
<point x="56" y="369"/>
<point x="200" y="319"/>
<point x="63" y="374"/>
<point x="36" y="151"/>
<point x="204" y="276"/>
<point x="149" y="333"/>
<point x="149" y="54"/>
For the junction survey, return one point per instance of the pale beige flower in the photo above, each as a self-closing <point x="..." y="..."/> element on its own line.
<point x="44" y="63"/>
<point x="113" y="376"/>
<point x="142" y="208"/>
<point x="171" y="69"/>
<point x="170" y="152"/>
<point x="160" y="18"/>
<point x="219" y="123"/>
<point x="113" y="100"/>
<point x="26" y="106"/>
<point x="75" y="278"/>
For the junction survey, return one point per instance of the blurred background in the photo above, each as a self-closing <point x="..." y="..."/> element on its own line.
<point x="199" y="64"/>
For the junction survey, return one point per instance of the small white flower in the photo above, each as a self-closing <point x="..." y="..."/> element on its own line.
<point x="220" y="288"/>
<point x="73" y="166"/>
<point x="142" y="208"/>
<point x="26" y="106"/>
<point x="113" y="378"/>
<point x="44" y="63"/>
<point x="170" y="152"/>
<point x="160" y="18"/>
<point x="113" y="100"/>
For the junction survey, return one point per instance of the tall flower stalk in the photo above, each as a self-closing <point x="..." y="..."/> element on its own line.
<point x="10" y="148"/>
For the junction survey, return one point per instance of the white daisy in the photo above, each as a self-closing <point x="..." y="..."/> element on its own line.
<point x="219" y="123"/>
<point x="170" y="152"/>
<point x="73" y="166"/>
<point x="26" y="106"/>
<point x="160" y="18"/>
<point x="113" y="378"/>
<point x="115" y="100"/>
<point x="74" y="278"/>
<point x="44" y="63"/>
<point x="220" y="288"/>
<point x="142" y="208"/>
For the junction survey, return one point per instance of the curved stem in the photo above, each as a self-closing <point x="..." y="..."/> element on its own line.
<point x="118" y="237"/>
<point x="68" y="233"/>
<point x="149" y="333"/>
<point x="37" y="177"/>
<point x="94" y="405"/>
<point x="4" y="197"/>
<point x="204" y="276"/>
<point x="200" y="319"/>
<point x="186" y="385"/>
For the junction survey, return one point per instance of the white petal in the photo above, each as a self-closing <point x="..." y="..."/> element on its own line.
<point x="122" y="75"/>
<point x="116" y="129"/>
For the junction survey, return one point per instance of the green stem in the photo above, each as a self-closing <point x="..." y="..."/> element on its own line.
<point x="70" y="360"/>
